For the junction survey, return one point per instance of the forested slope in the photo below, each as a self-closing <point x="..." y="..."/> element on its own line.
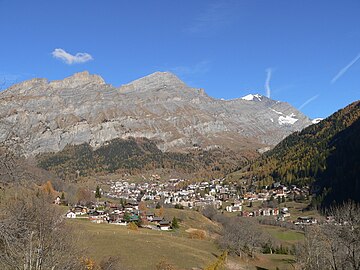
<point x="325" y="155"/>
<point x="138" y="155"/>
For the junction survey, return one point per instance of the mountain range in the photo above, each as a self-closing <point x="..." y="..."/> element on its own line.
<point x="38" y="116"/>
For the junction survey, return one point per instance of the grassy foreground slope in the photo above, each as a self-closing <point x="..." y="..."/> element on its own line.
<point x="143" y="249"/>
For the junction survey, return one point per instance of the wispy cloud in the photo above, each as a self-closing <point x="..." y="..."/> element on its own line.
<point x="308" y="101"/>
<point x="71" y="59"/>
<point x="201" y="67"/>
<point x="344" y="69"/>
<point x="267" y="82"/>
<point x="214" y="17"/>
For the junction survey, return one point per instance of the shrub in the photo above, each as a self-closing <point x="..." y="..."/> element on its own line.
<point x="197" y="234"/>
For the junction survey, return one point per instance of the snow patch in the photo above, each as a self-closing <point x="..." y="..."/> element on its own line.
<point x="316" y="120"/>
<point x="276" y="111"/>
<point x="287" y="120"/>
<point x="252" y="97"/>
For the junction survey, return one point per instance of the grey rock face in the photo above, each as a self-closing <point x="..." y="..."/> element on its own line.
<point x="39" y="116"/>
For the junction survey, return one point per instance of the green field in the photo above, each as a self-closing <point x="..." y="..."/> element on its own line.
<point x="283" y="235"/>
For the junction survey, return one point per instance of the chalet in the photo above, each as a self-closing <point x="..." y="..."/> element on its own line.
<point x="285" y="212"/>
<point x="70" y="214"/>
<point x="157" y="220"/>
<point x="134" y="218"/>
<point x="234" y="207"/>
<point x="98" y="216"/>
<point x="80" y="210"/>
<point x="131" y="206"/>
<point x="57" y="200"/>
<point x="164" y="225"/>
<point x="114" y="217"/>
<point x="305" y="221"/>
<point x="150" y="216"/>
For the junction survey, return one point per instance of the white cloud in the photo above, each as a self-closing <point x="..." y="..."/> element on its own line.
<point x="344" y="69"/>
<point x="308" y="101"/>
<point x="71" y="59"/>
<point x="267" y="82"/>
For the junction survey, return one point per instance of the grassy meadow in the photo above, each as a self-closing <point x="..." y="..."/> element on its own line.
<point x="144" y="248"/>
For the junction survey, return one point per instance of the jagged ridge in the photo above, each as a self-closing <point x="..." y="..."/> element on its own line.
<point x="39" y="116"/>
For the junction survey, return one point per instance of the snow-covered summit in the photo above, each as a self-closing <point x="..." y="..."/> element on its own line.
<point x="252" y="97"/>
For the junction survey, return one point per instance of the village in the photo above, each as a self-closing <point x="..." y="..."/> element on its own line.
<point x="141" y="203"/>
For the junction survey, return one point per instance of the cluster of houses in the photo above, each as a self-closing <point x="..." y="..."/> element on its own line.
<point x="175" y="192"/>
<point x="105" y="212"/>
<point x="183" y="194"/>
<point x="178" y="192"/>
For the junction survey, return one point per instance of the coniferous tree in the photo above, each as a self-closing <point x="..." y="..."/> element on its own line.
<point x="175" y="223"/>
<point x="97" y="193"/>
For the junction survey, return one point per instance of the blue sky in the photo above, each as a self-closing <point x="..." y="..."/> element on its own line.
<point x="300" y="51"/>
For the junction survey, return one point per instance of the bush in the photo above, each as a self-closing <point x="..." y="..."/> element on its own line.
<point x="197" y="234"/>
<point x="132" y="226"/>
<point x="179" y="206"/>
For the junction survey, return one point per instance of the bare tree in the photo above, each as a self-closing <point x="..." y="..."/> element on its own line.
<point x="209" y="211"/>
<point x="33" y="235"/>
<point x="333" y="245"/>
<point x="242" y="236"/>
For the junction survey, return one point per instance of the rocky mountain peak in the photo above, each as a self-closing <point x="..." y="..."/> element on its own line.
<point x="155" y="81"/>
<point x="37" y="116"/>
<point x="251" y="97"/>
<point x="23" y="87"/>
<point x="78" y="79"/>
<point x="40" y="86"/>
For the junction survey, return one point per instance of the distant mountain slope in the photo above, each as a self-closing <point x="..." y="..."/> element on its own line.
<point x="38" y="116"/>
<point x="135" y="156"/>
<point x="325" y="155"/>
<point x="18" y="170"/>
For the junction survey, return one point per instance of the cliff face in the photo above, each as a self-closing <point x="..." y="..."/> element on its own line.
<point x="38" y="116"/>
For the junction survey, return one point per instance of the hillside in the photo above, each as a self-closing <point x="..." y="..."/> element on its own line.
<point x="325" y="155"/>
<point x="18" y="170"/>
<point x="138" y="155"/>
<point x="38" y="116"/>
<point x="341" y="178"/>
